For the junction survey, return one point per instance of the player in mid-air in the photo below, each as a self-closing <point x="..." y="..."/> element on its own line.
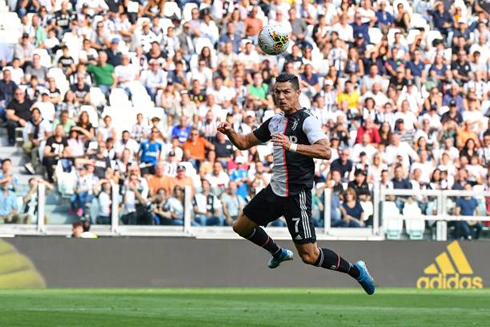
<point x="298" y="138"/>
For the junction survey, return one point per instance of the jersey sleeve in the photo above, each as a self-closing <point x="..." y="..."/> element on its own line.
<point x="263" y="133"/>
<point x="313" y="130"/>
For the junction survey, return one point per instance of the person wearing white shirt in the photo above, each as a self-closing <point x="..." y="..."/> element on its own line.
<point x="365" y="147"/>
<point x="203" y="74"/>
<point x="217" y="178"/>
<point x="407" y="116"/>
<point x="344" y="30"/>
<point x="367" y="13"/>
<point x="47" y="109"/>
<point x="209" y="105"/>
<point x="125" y="74"/>
<point x="426" y="167"/>
<point x="250" y="58"/>
<point x="126" y="142"/>
<point x="208" y="28"/>
<point x="222" y="94"/>
<point x="154" y="79"/>
<point x="401" y="150"/>
<point x="380" y="99"/>
<point x="17" y="72"/>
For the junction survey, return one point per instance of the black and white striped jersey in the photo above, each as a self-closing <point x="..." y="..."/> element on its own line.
<point x="292" y="172"/>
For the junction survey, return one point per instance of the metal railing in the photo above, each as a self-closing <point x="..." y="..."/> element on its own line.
<point x="376" y="231"/>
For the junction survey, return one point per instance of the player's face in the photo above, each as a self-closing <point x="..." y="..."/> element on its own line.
<point x="285" y="96"/>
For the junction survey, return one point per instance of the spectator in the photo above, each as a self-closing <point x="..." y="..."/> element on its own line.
<point x="18" y="114"/>
<point x="135" y="194"/>
<point x="149" y="153"/>
<point x="400" y="183"/>
<point x="352" y="212"/>
<point x="218" y="178"/>
<point x="7" y="89"/>
<point x="125" y="74"/>
<point x="56" y="149"/>
<point x="195" y="148"/>
<point x="36" y="69"/>
<point x="103" y="73"/>
<point x="104" y="204"/>
<point x="37" y="130"/>
<point x="232" y="204"/>
<point x="160" y="180"/>
<point x="467" y="206"/>
<point x="24" y="51"/>
<point x="343" y="165"/>
<point x="6" y="176"/>
<point x="182" y="180"/>
<point x="175" y="207"/>
<point x="182" y="130"/>
<point x="206" y="207"/>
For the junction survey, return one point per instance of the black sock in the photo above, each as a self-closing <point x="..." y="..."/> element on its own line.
<point x="260" y="237"/>
<point x="331" y="260"/>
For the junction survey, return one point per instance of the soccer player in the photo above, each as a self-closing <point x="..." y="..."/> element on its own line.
<point x="298" y="138"/>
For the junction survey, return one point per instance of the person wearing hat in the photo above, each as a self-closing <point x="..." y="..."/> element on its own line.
<point x="401" y="130"/>
<point x="24" y="50"/>
<point x="114" y="56"/>
<point x="442" y="18"/>
<point x="182" y="180"/>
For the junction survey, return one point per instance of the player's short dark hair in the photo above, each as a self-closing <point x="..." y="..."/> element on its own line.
<point x="291" y="78"/>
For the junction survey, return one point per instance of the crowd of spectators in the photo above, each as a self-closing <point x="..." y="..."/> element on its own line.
<point x="400" y="88"/>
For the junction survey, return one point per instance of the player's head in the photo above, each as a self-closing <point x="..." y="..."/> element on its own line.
<point x="286" y="92"/>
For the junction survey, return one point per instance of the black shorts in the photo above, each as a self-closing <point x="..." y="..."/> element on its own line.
<point x="266" y="207"/>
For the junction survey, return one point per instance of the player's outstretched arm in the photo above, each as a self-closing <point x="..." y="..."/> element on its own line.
<point x="320" y="149"/>
<point x="242" y="142"/>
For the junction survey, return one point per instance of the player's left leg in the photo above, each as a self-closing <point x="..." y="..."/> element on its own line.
<point x="302" y="230"/>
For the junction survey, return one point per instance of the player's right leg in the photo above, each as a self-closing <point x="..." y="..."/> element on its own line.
<point x="264" y="208"/>
<point x="251" y="231"/>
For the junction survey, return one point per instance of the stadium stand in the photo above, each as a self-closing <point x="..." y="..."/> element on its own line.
<point x="400" y="87"/>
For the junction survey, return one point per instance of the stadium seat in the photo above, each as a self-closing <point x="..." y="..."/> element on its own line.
<point x="375" y="35"/>
<point x="392" y="220"/>
<point x="96" y="96"/>
<point x="391" y="35"/>
<point x="431" y="36"/>
<point x="368" y="208"/>
<point x="165" y="23"/>
<point x="202" y="42"/>
<point x="187" y="12"/>
<point x="411" y="36"/>
<point x="172" y="8"/>
<point x="418" y="21"/>
<point x="415" y="227"/>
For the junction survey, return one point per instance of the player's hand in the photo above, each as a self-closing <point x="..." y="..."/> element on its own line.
<point x="281" y="140"/>
<point x="225" y="128"/>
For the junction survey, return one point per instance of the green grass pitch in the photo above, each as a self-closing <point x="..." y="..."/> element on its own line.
<point x="243" y="307"/>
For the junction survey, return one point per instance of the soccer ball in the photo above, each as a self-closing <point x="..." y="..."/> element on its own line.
<point x="273" y="39"/>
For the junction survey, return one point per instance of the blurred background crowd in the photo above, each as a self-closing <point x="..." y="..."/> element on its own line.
<point x="129" y="93"/>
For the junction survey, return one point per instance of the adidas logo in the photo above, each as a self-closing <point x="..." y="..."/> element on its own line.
<point x="450" y="271"/>
<point x="298" y="238"/>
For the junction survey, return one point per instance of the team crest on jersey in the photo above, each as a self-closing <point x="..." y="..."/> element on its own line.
<point x="295" y="124"/>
